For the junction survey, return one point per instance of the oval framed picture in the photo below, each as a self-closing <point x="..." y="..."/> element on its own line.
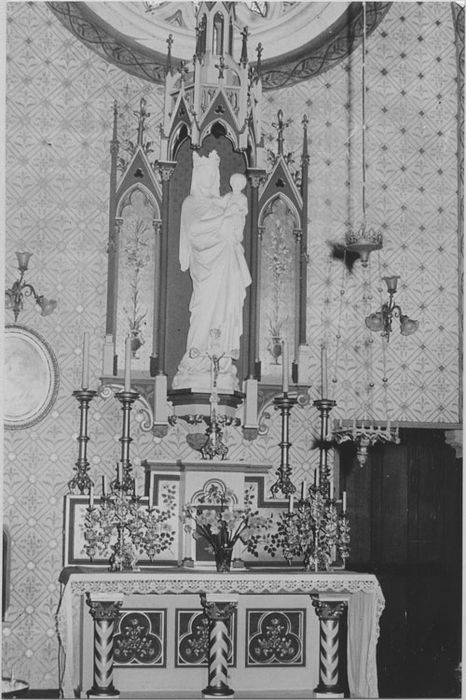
<point x="31" y="377"/>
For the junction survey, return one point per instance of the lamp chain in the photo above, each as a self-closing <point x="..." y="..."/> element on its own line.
<point x="368" y="345"/>
<point x="363" y="113"/>
<point x="340" y="314"/>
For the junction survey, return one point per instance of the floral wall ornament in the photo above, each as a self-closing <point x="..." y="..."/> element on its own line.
<point x="278" y="278"/>
<point x="138" y="232"/>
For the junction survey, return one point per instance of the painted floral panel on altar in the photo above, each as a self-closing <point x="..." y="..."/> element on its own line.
<point x="140" y="638"/>
<point x="192" y="638"/>
<point x="275" y="638"/>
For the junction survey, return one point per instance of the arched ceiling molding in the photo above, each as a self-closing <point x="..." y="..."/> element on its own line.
<point x="332" y="43"/>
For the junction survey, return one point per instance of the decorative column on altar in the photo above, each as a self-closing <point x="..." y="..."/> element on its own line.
<point x="105" y="611"/>
<point x="218" y="608"/>
<point x="329" y="613"/>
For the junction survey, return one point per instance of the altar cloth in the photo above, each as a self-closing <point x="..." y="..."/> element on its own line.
<point x="362" y="592"/>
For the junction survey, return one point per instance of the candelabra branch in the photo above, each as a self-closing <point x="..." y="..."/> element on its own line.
<point x="315" y="530"/>
<point x="123" y="527"/>
<point x="81" y="479"/>
<point x="284" y="404"/>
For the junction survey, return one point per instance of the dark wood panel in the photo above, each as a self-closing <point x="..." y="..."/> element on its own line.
<point x="407" y="502"/>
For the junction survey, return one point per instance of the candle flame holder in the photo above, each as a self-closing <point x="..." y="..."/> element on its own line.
<point x="315" y="531"/>
<point x="324" y="407"/>
<point x="81" y="479"/>
<point x="126" y="398"/>
<point x="284" y="404"/>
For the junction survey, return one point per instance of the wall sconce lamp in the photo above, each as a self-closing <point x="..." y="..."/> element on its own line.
<point x="382" y="320"/>
<point x="20" y="289"/>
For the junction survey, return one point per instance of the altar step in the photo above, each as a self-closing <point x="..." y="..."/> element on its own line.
<point x="239" y="695"/>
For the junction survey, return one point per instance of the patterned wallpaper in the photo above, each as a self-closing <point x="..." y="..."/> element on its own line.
<point x="59" y="111"/>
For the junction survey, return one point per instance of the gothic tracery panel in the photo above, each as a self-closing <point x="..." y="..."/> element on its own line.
<point x="278" y="285"/>
<point x="138" y="222"/>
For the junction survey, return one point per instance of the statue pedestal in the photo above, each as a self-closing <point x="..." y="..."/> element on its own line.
<point x="195" y="479"/>
<point x="188" y="403"/>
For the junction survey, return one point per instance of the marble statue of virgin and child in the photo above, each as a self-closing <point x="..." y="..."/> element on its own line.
<point x="211" y="235"/>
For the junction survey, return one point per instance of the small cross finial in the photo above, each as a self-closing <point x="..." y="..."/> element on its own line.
<point x="280" y="126"/>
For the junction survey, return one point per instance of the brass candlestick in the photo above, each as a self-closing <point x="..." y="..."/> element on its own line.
<point x="324" y="407"/>
<point x="126" y="398"/>
<point x="81" y="479"/>
<point x="284" y="484"/>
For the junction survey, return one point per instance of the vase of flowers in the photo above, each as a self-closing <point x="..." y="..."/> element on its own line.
<point x="223" y="526"/>
<point x="223" y="556"/>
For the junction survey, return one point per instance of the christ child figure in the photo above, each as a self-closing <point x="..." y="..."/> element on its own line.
<point x="236" y="209"/>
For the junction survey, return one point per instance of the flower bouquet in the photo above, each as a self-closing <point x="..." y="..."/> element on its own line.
<point x="223" y="526"/>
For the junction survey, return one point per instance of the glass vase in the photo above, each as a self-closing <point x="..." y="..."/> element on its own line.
<point x="223" y="557"/>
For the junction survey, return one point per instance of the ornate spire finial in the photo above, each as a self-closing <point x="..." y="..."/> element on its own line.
<point x="169" y="53"/>
<point x="305" y="122"/>
<point x="244" y="47"/>
<point x="142" y="116"/>
<point x="259" y="51"/>
<point x="115" y="120"/>
<point x="280" y="126"/>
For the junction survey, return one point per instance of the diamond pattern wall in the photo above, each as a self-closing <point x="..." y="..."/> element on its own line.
<point x="59" y="116"/>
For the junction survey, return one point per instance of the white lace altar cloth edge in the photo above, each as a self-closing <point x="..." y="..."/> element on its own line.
<point x="365" y="605"/>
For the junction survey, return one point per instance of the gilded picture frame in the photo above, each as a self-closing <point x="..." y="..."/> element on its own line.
<point x="30" y="377"/>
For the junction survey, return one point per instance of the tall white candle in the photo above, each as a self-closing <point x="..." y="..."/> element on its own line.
<point x="85" y="368"/>
<point x="91" y="496"/>
<point x="331" y="490"/>
<point x="290" y="503"/>
<point x="128" y="364"/>
<point x="344" y="502"/>
<point x="151" y="494"/>
<point x="323" y="368"/>
<point x="285" y="363"/>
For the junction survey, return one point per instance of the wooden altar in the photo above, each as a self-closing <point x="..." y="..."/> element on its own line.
<point x="268" y="633"/>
